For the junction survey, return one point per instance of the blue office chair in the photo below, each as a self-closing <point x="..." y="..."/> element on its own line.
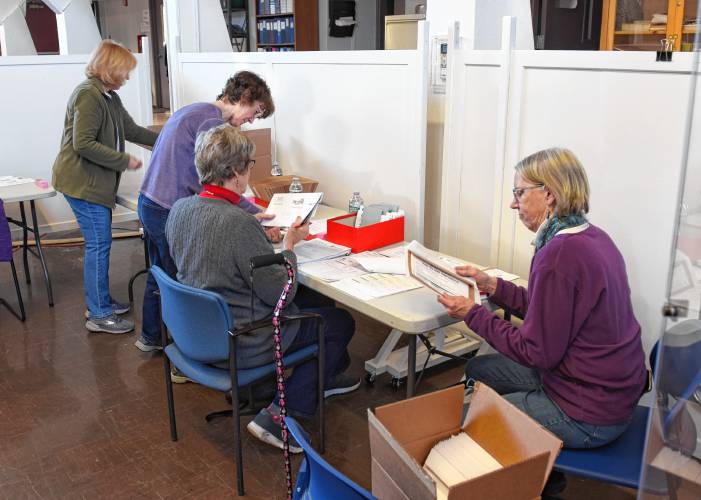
<point x="619" y="462"/>
<point x="316" y="478"/>
<point x="6" y="256"/>
<point x="202" y="331"/>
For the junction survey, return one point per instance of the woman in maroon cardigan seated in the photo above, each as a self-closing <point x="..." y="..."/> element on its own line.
<point x="576" y="365"/>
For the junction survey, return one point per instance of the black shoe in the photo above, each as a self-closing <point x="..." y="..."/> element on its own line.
<point x="266" y="427"/>
<point x="556" y="484"/>
<point x="341" y="384"/>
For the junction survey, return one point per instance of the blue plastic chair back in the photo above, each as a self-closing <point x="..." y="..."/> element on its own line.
<point x="5" y="237"/>
<point x="198" y="320"/>
<point x="316" y="478"/>
<point x="680" y="355"/>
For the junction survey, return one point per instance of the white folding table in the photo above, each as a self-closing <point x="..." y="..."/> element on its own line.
<point x="21" y="193"/>
<point x="414" y="312"/>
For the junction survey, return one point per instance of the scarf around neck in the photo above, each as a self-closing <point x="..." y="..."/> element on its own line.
<point x="554" y="225"/>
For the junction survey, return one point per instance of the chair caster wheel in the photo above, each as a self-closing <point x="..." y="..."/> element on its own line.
<point x="370" y="378"/>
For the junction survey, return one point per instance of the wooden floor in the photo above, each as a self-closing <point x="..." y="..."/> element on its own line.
<point x="84" y="415"/>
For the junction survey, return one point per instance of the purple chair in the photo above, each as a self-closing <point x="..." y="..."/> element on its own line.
<point x="6" y="256"/>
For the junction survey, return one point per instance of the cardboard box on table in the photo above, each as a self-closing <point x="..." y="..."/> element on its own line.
<point x="402" y="435"/>
<point x="263" y="154"/>
<point x="266" y="187"/>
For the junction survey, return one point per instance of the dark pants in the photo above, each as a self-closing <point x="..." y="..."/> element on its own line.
<point x="521" y="386"/>
<point x="153" y="218"/>
<point x="339" y="327"/>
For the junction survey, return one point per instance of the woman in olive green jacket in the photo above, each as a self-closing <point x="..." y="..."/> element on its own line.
<point x="88" y="168"/>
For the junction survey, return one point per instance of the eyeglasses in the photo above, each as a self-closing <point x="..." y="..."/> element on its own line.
<point x="260" y="111"/>
<point x="519" y="191"/>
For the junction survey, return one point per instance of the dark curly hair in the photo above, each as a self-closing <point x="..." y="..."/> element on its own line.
<point x="248" y="88"/>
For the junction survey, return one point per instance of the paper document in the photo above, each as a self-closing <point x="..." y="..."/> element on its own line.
<point x="374" y="286"/>
<point x="288" y="206"/>
<point x="381" y="264"/>
<point x="333" y="269"/>
<point x="498" y="273"/>
<point x="430" y="269"/>
<point x="11" y="180"/>
<point x="456" y="460"/>
<point x="316" y="249"/>
<point x="317" y="226"/>
<point x="398" y="251"/>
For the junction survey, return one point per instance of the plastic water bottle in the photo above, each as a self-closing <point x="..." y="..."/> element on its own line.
<point x="355" y="202"/>
<point x="276" y="170"/>
<point x="296" y="186"/>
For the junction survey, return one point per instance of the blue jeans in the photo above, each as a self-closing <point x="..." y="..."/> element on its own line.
<point x="301" y="389"/>
<point x="153" y="218"/>
<point x="95" y="223"/>
<point x="522" y="387"/>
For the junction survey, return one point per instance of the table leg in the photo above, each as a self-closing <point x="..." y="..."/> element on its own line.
<point x="37" y="241"/>
<point x="411" y="366"/>
<point x="24" y="243"/>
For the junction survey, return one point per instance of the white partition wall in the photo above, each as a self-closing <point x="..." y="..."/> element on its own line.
<point x="34" y="91"/>
<point x="15" y="39"/>
<point x="77" y="27"/>
<point x="356" y="121"/>
<point x="622" y="114"/>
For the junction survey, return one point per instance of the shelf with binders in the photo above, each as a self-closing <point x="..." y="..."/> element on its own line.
<point x="276" y="48"/>
<point x="276" y="31"/>
<point x="283" y="14"/>
<point x="275" y="7"/>
<point x="286" y="25"/>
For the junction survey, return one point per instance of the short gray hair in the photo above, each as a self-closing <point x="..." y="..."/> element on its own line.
<point x="222" y="152"/>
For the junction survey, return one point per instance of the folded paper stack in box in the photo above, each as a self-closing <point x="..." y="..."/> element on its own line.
<point x="513" y="454"/>
<point x="266" y="187"/>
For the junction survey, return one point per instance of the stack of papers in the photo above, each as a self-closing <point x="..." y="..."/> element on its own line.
<point x="288" y="206"/>
<point x="398" y="251"/>
<point x="438" y="273"/>
<point x="317" y="226"/>
<point x="11" y="180"/>
<point x="375" y="262"/>
<point x="316" y="249"/>
<point x="374" y="286"/>
<point x="458" y="459"/>
<point x="333" y="269"/>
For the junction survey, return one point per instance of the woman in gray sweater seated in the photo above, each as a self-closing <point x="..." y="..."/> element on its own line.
<point x="212" y="240"/>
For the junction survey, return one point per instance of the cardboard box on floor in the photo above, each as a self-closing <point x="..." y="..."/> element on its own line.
<point x="402" y="435"/>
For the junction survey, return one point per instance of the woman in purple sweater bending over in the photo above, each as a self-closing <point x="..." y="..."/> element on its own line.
<point x="576" y="365"/>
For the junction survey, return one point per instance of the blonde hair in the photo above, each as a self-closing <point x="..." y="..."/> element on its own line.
<point x="111" y="62"/>
<point x="562" y="174"/>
